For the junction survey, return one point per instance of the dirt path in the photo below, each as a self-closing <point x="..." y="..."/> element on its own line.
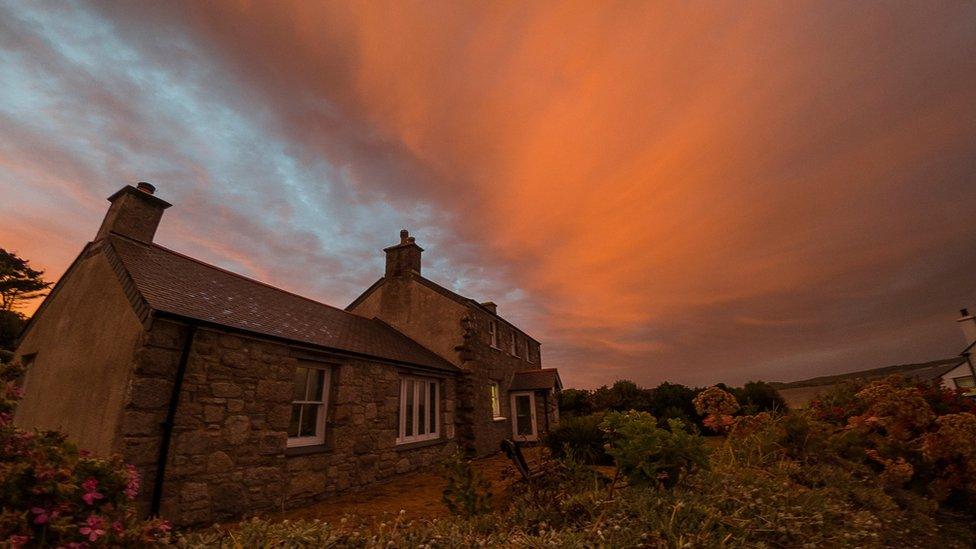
<point x="419" y="494"/>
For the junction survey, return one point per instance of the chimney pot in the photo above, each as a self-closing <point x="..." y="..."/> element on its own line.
<point x="146" y="187"/>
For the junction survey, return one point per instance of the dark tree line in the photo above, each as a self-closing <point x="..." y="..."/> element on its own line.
<point x="667" y="400"/>
<point x="19" y="283"/>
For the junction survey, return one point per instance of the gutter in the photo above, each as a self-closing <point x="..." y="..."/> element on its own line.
<point x="168" y="424"/>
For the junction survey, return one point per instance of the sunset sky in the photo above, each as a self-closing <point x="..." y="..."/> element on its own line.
<point x="685" y="191"/>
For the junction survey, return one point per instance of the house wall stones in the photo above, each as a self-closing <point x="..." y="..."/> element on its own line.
<point x="228" y="454"/>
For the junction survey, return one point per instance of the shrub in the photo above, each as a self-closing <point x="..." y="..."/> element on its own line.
<point x="648" y="454"/>
<point x="580" y="436"/>
<point x="53" y="495"/>
<point x="466" y="493"/>
<point x="717" y="405"/>
<point x="759" y="396"/>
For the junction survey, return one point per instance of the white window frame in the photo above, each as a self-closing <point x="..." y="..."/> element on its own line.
<point x="319" y="436"/>
<point x="514" y="345"/>
<point x="493" y="333"/>
<point x="535" y="426"/>
<point x="421" y="387"/>
<point x="495" y="392"/>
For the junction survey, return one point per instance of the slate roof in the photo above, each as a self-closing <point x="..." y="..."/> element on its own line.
<point x="173" y="283"/>
<point x="527" y="380"/>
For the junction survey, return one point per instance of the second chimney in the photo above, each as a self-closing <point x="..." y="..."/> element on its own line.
<point x="135" y="212"/>
<point x="403" y="258"/>
<point x="491" y="306"/>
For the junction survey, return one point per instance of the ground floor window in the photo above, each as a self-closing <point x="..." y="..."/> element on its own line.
<point x="308" y="406"/>
<point x="496" y="400"/>
<point x="965" y="382"/>
<point x="419" y="409"/>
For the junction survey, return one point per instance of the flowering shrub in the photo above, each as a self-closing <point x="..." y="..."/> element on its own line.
<point x="717" y="406"/>
<point x="648" y="454"/>
<point x="53" y="495"/>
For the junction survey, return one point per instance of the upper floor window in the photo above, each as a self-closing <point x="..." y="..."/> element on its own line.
<point x="308" y="406"/>
<point x="496" y="400"/>
<point x="513" y="346"/>
<point x="529" y="351"/>
<point x="493" y="333"/>
<point x="419" y="409"/>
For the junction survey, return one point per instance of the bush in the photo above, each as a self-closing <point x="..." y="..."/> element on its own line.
<point x="648" y="454"/>
<point x="53" y="495"/>
<point x="466" y="493"/>
<point x="759" y="396"/>
<point x="717" y="406"/>
<point x="581" y="437"/>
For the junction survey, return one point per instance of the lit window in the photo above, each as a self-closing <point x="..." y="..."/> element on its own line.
<point x="496" y="400"/>
<point x="419" y="409"/>
<point x="308" y="406"/>
<point x="493" y="333"/>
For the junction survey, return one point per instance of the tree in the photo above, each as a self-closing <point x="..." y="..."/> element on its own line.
<point x="576" y="402"/>
<point x="759" y="396"/>
<point x="673" y="400"/>
<point x="11" y="324"/>
<point x="622" y="395"/>
<point x="18" y="281"/>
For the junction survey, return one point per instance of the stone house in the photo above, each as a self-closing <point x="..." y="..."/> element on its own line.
<point x="232" y="396"/>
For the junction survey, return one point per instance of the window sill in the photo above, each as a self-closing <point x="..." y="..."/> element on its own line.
<point x="499" y="419"/>
<point x="306" y="450"/>
<point x="422" y="444"/>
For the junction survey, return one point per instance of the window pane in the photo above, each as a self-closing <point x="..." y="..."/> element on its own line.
<point x="300" y="376"/>
<point x="408" y="409"/>
<point x="310" y="416"/>
<point x="433" y="406"/>
<point x="523" y="414"/>
<point x="316" y="386"/>
<point x="296" y="416"/>
<point x="965" y="382"/>
<point x="421" y="408"/>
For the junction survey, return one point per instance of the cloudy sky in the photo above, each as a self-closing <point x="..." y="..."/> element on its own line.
<point x="685" y="191"/>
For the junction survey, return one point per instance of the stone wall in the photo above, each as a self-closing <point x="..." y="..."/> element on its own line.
<point x="483" y="364"/>
<point x="228" y="454"/>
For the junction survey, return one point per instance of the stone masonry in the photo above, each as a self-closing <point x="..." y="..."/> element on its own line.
<point x="228" y="454"/>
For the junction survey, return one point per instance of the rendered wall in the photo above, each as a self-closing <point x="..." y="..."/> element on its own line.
<point x="84" y="339"/>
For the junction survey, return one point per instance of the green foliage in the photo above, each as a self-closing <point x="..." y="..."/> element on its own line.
<point x="52" y="495"/>
<point x="18" y="281"/>
<point x="467" y="493"/>
<point x="647" y="454"/>
<point x="582" y="436"/>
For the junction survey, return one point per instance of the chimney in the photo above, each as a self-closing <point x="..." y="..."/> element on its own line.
<point x="135" y="212"/>
<point x="491" y="306"/>
<point x="403" y="258"/>
<point x="968" y="322"/>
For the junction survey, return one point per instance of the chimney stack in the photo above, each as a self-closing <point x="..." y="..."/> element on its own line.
<point x="491" y="306"/>
<point x="135" y="212"/>
<point x="968" y="323"/>
<point x="403" y="258"/>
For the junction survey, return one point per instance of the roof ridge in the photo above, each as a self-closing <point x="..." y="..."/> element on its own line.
<point x="232" y="273"/>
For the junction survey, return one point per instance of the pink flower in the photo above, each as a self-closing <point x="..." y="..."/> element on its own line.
<point x="131" y="482"/>
<point x="91" y="491"/>
<point x="41" y="515"/>
<point x="93" y="528"/>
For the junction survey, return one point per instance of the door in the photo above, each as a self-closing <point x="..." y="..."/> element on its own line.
<point x="523" y="420"/>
